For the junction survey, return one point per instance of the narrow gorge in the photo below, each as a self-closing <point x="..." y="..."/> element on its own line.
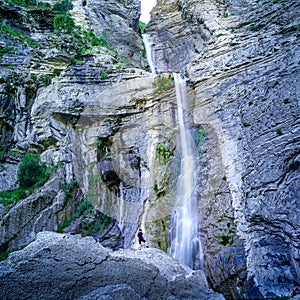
<point x="187" y="127"/>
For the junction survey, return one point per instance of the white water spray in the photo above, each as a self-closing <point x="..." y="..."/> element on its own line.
<point x="185" y="241"/>
<point x="186" y="244"/>
<point x="149" y="53"/>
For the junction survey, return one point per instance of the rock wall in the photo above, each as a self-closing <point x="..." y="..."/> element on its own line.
<point x="112" y="128"/>
<point x="44" y="75"/>
<point x="244" y="74"/>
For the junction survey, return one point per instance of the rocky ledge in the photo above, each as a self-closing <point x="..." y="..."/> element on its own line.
<point x="62" y="266"/>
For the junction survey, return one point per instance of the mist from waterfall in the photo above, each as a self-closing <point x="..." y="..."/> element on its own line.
<point x="185" y="240"/>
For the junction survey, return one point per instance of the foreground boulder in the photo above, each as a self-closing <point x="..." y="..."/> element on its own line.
<point x="61" y="266"/>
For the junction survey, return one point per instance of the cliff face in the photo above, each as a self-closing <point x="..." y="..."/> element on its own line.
<point x="81" y="100"/>
<point x="243" y="60"/>
<point x="52" y="59"/>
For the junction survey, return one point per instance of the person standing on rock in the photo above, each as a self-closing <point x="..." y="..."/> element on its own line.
<point x="296" y="290"/>
<point x="141" y="239"/>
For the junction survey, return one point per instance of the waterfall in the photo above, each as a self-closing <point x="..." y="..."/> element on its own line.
<point x="185" y="240"/>
<point x="186" y="244"/>
<point x="149" y="53"/>
<point x="122" y="207"/>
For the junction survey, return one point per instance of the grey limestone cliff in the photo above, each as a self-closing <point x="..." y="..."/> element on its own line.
<point x="243" y="59"/>
<point x="88" y="107"/>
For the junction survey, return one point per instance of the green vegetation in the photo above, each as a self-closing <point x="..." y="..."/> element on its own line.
<point x="103" y="74"/>
<point x="44" y="5"/>
<point x="56" y="72"/>
<point x="102" y="147"/>
<point x="226" y="240"/>
<point x="64" y="22"/>
<point x="142" y="26"/>
<point x="96" y="224"/>
<point x="33" y="77"/>
<point x="220" y="34"/>
<point x="246" y="124"/>
<point x="84" y="40"/>
<point x="46" y="80"/>
<point x="201" y="136"/>
<point x="163" y="152"/>
<point x="85" y="205"/>
<point x="68" y="188"/>
<point x="31" y="171"/>
<point x="10" y="198"/>
<point x="63" y="6"/>
<point x="24" y="39"/>
<point x="4" y="50"/>
<point x="162" y="83"/>
<point x="143" y="53"/>
<point x="279" y="131"/>
<point x="31" y="175"/>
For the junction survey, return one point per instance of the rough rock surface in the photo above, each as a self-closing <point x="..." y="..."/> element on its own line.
<point x="38" y="212"/>
<point x="118" y="21"/>
<point x="61" y="266"/>
<point x="110" y="126"/>
<point x="246" y="97"/>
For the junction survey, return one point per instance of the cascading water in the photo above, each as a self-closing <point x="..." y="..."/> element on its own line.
<point x="185" y="240"/>
<point x="186" y="244"/>
<point x="149" y="53"/>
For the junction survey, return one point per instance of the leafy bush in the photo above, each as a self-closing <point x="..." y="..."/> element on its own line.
<point x="46" y="80"/>
<point x="142" y="26"/>
<point x="163" y="83"/>
<point x="85" y="205"/>
<point x="44" y="5"/>
<point x="93" y="40"/>
<point x="33" y="77"/>
<point x="31" y="172"/>
<point x="63" y="6"/>
<point x="57" y="72"/>
<point x="64" y="22"/>
<point x="163" y="151"/>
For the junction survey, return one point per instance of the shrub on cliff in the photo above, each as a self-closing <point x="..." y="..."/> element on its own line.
<point x="64" y="22"/>
<point x="63" y="6"/>
<point x="31" y="172"/>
